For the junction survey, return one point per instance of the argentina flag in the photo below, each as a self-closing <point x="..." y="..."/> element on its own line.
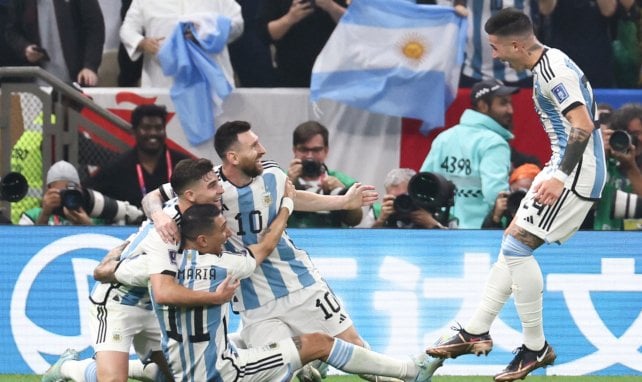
<point x="393" y="57"/>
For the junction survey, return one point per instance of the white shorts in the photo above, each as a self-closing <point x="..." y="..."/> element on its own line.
<point x="556" y="223"/>
<point x="118" y="327"/>
<point x="308" y="310"/>
<point x="278" y="362"/>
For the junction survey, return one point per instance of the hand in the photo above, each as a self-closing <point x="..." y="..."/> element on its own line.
<point x="501" y="204"/>
<point x="32" y="54"/>
<point x="77" y="217"/>
<point x="290" y="191"/>
<point x="299" y="10"/>
<point x="87" y="77"/>
<point x="548" y="191"/>
<point x="329" y="183"/>
<point x="425" y="219"/>
<point x="166" y="227"/>
<point x="50" y="201"/>
<point x="225" y="290"/>
<point x="461" y="10"/>
<point x="295" y="169"/>
<point x="387" y="208"/>
<point x="360" y="195"/>
<point x="150" y="45"/>
<point x="626" y="159"/>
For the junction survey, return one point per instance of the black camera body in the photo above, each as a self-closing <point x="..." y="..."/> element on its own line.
<point x="429" y="191"/>
<point x="620" y="141"/>
<point x="72" y="197"/>
<point x="513" y="202"/>
<point x="311" y="168"/>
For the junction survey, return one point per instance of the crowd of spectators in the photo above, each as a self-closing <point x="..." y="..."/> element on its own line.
<point x="275" y="44"/>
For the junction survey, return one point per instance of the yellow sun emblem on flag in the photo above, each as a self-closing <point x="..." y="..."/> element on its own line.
<point x="414" y="48"/>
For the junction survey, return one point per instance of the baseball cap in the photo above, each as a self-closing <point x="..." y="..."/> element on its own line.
<point x="62" y="170"/>
<point x="494" y="87"/>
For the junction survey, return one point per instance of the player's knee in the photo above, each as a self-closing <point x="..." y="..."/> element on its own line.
<point x="511" y="247"/>
<point x="315" y="346"/>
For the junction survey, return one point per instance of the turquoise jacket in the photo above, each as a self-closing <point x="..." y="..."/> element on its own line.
<point x="475" y="156"/>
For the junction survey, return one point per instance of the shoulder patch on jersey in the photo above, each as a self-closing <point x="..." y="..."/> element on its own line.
<point x="559" y="91"/>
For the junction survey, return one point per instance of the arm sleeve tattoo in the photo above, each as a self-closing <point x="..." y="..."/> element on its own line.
<point x="577" y="141"/>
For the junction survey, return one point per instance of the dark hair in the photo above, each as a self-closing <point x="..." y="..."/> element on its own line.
<point x="152" y="110"/>
<point x="621" y="117"/>
<point x="189" y="171"/>
<point x="198" y="220"/>
<point x="508" y="22"/>
<point x="305" y="131"/>
<point x="227" y="135"/>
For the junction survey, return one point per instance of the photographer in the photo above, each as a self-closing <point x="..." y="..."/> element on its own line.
<point x="307" y="171"/>
<point x="507" y="202"/>
<point x="622" y="134"/>
<point x="65" y="202"/>
<point x="59" y="177"/>
<point x="386" y="214"/>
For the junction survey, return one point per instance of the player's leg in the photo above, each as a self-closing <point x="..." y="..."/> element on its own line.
<point x="148" y="348"/>
<point x="113" y="328"/>
<point x="474" y="338"/>
<point x="359" y="360"/>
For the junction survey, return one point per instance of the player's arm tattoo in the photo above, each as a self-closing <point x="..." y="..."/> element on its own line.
<point x="297" y="342"/>
<point x="577" y="141"/>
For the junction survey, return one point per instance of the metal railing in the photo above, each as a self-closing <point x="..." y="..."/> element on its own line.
<point x="43" y="114"/>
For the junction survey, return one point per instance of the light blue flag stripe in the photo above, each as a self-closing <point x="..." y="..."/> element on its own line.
<point x="351" y="70"/>
<point x="396" y="14"/>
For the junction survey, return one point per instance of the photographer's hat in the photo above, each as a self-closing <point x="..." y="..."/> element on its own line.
<point x="62" y="170"/>
<point x="493" y="88"/>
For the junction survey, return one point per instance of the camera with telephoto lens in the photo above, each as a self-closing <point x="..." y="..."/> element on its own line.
<point x="100" y="206"/>
<point x="311" y="168"/>
<point x="428" y="191"/>
<point x="620" y="141"/>
<point x="626" y="206"/>
<point x="13" y="187"/>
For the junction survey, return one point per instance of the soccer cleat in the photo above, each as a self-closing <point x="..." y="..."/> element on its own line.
<point x="461" y="343"/>
<point x="525" y="361"/>
<point x="426" y="367"/>
<point x="309" y="374"/>
<point x="53" y="374"/>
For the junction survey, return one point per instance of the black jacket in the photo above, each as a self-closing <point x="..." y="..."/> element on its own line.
<point x="80" y="24"/>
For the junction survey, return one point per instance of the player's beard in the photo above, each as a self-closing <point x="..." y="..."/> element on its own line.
<point x="251" y="168"/>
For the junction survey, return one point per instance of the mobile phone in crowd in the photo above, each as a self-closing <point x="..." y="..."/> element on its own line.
<point x="43" y="52"/>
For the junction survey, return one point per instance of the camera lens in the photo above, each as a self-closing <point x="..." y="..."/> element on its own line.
<point x="311" y="168"/>
<point x="620" y="141"/>
<point x="13" y="187"/>
<point x="403" y="204"/>
<point x="71" y="197"/>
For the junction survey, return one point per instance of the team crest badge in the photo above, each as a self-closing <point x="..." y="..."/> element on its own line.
<point x="267" y="199"/>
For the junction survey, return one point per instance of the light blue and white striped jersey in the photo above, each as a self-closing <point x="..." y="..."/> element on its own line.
<point x="249" y="210"/>
<point x="479" y="62"/>
<point x="194" y="339"/>
<point x="132" y="271"/>
<point x="559" y="85"/>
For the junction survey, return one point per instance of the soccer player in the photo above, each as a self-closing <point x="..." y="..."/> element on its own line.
<point x="285" y="296"/>
<point x="555" y="205"/>
<point x="195" y="339"/>
<point x="121" y="313"/>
